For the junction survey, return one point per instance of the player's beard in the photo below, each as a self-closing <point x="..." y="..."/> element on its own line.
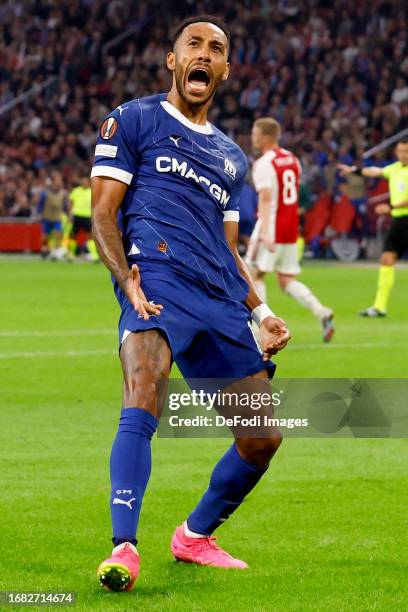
<point x="191" y="101"/>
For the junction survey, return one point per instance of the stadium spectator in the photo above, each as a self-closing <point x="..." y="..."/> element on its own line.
<point x="334" y="75"/>
<point x="21" y="207"/>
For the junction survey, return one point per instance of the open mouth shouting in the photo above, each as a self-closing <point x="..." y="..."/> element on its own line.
<point x="198" y="80"/>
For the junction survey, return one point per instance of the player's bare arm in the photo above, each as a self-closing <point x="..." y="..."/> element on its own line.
<point x="369" y="172"/>
<point x="107" y="196"/>
<point x="274" y="333"/>
<point x="267" y="214"/>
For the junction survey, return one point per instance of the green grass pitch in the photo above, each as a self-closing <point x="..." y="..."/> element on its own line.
<point x="324" y="530"/>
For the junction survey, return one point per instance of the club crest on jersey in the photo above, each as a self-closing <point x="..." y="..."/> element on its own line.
<point x="229" y="168"/>
<point x="109" y="128"/>
<point x="162" y="246"/>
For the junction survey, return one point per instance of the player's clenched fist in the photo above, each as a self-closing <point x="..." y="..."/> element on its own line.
<point x="274" y="336"/>
<point x="131" y="286"/>
<point x="268" y="241"/>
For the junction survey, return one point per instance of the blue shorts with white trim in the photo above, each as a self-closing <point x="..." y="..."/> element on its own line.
<point x="209" y="334"/>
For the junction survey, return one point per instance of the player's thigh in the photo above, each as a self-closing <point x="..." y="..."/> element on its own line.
<point x="86" y="224"/>
<point x="395" y="242"/>
<point x="81" y="224"/>
<point x="76" y="225"/>
<point x="226" y="356"/>
<point x="225" y="349"/>
<point x="146" y="362"/>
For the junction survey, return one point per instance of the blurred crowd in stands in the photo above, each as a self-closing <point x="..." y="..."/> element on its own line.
<point x="335" y="74"/>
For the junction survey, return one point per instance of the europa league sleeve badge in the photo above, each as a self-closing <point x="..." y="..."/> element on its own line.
<point x="109" y="128"/>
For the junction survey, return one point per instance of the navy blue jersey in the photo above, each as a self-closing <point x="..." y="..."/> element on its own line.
<point x="184" y="181"/>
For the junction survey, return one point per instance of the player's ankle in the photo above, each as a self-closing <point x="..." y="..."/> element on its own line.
<point x="119" y="541"/>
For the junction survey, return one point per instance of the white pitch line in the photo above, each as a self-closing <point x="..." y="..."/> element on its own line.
<point x="54" y="333"/>
<point x="335" y="345"/>
<point x="60" y="333"/>
<point x="293" y="347"/>
<point x="39" y="354"/>
<point x="363" y="330"/>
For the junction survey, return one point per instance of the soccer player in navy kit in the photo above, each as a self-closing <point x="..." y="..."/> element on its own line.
<point x="185" y="293"/>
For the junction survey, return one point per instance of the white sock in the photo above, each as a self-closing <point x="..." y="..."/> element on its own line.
<point x="261" y="289"/>
<point x="305" y="297"/>
<point x="191" y="534"/>
<point x="119" y="546"/>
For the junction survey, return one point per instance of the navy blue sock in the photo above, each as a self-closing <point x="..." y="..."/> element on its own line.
<point x="130" y="467"/>
<point x="231" y="481"/>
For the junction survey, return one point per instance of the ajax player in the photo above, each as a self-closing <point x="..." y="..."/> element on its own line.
<point x="185" y="294"/>
<point x="273" y="244"/>
<point x="396" y="239"/>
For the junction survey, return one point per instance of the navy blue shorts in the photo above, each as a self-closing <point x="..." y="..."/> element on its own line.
<point x="209" y="334"/>
<point x="51" y="226"/>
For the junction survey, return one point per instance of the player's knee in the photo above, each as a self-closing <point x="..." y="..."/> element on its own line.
<point x="259" y="451"/>
<point x="265" y="448"/>
<point x="284" y="280"/>
<point x="272" y="444"/>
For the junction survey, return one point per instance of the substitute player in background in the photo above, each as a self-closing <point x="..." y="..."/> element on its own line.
<point x="52" y="205"/>
<point x="185" y="293"/>
<point x="273" y="244"/>
<point x="396" y="239"/>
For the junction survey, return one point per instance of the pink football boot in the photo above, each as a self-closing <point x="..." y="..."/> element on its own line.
<point x="203" y="551"/>
<point x="119" y="572"/>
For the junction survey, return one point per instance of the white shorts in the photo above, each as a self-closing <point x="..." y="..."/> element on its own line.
<point x="284" y="259"/>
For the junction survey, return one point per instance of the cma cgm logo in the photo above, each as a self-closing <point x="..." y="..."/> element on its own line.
<point x="171" y="164"/>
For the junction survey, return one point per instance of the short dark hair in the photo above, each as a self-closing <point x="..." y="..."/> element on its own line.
<point x="178" y="29"/>
<point x="403" y="140"/>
